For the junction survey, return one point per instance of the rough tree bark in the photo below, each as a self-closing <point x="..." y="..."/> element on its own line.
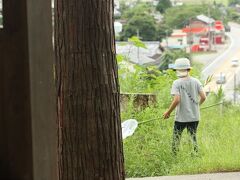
<point x="89" y="127"/>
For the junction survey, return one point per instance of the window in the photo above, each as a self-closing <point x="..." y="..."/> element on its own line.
<point x="1" y="15"/>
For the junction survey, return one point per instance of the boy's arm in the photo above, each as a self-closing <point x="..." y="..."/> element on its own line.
<point x="202" y="97"/>
<point x="173" y="105"/>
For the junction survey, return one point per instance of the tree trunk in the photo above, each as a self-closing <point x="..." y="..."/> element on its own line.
<point x="89" y="127"/>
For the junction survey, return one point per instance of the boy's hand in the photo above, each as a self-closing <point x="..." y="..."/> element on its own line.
<point x="166" y="115"/>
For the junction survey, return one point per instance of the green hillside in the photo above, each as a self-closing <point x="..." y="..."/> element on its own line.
<point x="205" y="1"/>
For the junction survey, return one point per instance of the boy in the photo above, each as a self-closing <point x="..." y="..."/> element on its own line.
<point x="186" y="91"/>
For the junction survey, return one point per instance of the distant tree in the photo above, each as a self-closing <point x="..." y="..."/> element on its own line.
<point x="214" y="3"/>
<point x="163" y="31"/>
<point x="145" y="25"/>
<point x="233" y="2"/>
<point x="163" y="5"/>
<point x="182" y="14"/>
<point x="139" y="9"/>
<point x="233" y="15"/>
<point x="123" y="6"/>
<point x="139" y="19"/>
<point x="169" y="56"/>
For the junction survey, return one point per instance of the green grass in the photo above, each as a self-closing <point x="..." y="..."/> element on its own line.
<point x="148" y="151"/>
<point x="225" y="2"/>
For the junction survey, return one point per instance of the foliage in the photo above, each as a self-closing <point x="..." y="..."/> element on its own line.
<point x="139" y="20"/>
<point x="140" y="79"/>
<point x="142" y="24"/>
<point x="148" y="151"/>
<point x="224" y="2"/>
<point x="169" y="56"/>
<point x="233" y="2"/>
<point x="1" y="20"/>
<point x="233" y="15"/>
<point x="140" y="9"/>
<point x="219" y="96"/>
<point x="208" y="80"/>
<point x="123" y="6"/>
<point x="137" y="42"/>
<point x="182" y="14"/>
<point x="162" y="31"/>
<point x="143" y="79"/>
<point x="163" y="5"/>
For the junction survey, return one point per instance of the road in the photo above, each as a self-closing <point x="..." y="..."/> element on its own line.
<point x="222" y="64"/>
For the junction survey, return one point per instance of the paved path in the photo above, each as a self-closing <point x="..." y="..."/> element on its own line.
<point x="217" y="176"/>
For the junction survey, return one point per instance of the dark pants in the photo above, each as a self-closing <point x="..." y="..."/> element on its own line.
<point x="177" y="132"/>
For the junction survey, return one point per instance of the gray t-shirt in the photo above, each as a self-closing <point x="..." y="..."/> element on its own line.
<point x="188" y="108"/>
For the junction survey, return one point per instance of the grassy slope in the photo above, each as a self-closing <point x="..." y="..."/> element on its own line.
<point x="206" y="1"/>
<point x="148" y="151"/>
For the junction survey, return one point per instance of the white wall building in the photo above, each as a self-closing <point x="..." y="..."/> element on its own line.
<point x="177" y="2"/>
<point x="116" y="4"/>
<point x="118" y="27"/>
<point x="133" y="2"/>
<point x="178" y="40"/>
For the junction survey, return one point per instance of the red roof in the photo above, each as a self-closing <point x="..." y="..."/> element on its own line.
<point x="219" y="25"/>
<point x="218" y="22"/>
<point x="195" y="30"/>
<point x="202" y="30"/>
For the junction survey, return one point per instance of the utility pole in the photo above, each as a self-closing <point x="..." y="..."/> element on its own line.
<point x="190" y="35"/>
<point x="209" y="31"/>
<point x="138" y="48"/>
<point x="167" y="38"/>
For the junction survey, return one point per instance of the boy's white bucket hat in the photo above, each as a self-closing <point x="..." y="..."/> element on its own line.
<point x="182" y="63"/>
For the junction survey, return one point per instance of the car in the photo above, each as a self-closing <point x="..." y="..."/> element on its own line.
<point x="234" y="62"/>
<point x="221" y="78"/>
<point x="227" y="28"/>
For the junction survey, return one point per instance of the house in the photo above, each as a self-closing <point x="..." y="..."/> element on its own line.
<point x="204" y="20"/>
<point x="118" y="27"/>
<point x="117" y="12"/>
<point x="177" y="40"/>
<point x="219" y="37"/>
<point x="177" y="2"/>
<point x="132" y="3"/>
<point x="204" y="32"/>
<point x="140" y="56"/>
<point x="117" y="4"/>
<point x="198" y="27"/>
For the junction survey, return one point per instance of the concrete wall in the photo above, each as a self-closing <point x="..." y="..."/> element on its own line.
<point x="27" y="102"/>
